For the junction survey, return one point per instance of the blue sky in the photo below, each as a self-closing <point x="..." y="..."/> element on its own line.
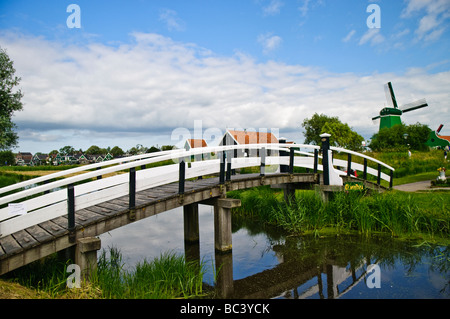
<point x="144" y="71"/>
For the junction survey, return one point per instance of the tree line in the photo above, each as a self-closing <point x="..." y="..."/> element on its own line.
<point x="400" y="137"/>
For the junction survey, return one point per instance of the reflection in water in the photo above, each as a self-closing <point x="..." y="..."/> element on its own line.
<point x="265" y="263"/>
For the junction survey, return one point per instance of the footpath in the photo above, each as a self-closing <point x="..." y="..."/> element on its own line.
<point x="418" y="186"/>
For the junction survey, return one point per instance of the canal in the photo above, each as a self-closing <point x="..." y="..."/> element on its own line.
<point x="265" y="263"/>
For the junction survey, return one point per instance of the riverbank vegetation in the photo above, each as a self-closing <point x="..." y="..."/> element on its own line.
<point x="399" y="214"/>
<point x="166" y="277"/>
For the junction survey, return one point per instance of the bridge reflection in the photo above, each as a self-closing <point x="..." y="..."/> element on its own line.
<point x="299" y="273"/>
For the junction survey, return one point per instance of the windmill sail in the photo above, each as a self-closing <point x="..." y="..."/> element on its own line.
<point x="390" y="97"/>
<point x="414" y="105"/>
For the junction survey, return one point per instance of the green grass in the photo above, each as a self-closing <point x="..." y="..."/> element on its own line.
<point x="166" y="277"/>
<point x="395" y="213"/>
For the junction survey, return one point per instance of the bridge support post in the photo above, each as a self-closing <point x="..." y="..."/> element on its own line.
<point x="222" y="223"/>
<point x="86" y="255"/>
<point x="224" y="270"/>
<point x="191" y="226"/>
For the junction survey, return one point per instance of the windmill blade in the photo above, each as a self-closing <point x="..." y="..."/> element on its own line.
<point x="375" y="118"/>
<point x="390" y="97"/>
<point x="414" y="105"/>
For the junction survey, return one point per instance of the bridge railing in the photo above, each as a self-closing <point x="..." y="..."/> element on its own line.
<point x="38" y="203"/>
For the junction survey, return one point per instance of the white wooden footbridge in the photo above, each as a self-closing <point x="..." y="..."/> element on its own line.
<point x="51" y="213"/>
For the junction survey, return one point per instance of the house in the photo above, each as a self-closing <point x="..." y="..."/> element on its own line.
<point x="23" y="158"/>
<point x="81" y="158"/>
<point x="233" y="137"/>
<point x="192" y="143"/>
<point x="39" y="159"/>
<point x="196" y="143"/>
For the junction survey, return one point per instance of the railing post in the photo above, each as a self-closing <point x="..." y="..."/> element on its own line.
<point x="222" y="168"/>
<point x="391" y="180"/>
<point x="291" y="161"/>
<point x="349" y="164"/>
<point x="132" y="188"/>
<point x="365" y="169"/>
<point x="283" y="168"/>
<point x="229" y="155"/>
<point x="262" y="169"/>
<point x="182" y="176"/>
<point x="325" y="147"/>
<point x="71" y="212"/>
<point x="379" y="174"/>
<point x="316" y="160"/>
<point x="100" y="176"/>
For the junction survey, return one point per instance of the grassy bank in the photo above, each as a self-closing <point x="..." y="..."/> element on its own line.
<point x="422" y="215"/>
<point x="166" y="277"/>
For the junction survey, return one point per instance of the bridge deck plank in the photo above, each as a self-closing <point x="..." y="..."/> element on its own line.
<point x="53" y="228"/>
<point x="10" y="245"/>
<point x="24" y="239"/>
<point x="40" y="234"/>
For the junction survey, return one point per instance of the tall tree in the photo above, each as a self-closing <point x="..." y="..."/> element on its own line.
<point x="341" y="134"/>
<point x="10" y="101"/>
<point x="313" y="127"/>
<point x="401" y="137"/>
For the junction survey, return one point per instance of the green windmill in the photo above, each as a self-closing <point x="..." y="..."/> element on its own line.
<point x="390" y="116"/>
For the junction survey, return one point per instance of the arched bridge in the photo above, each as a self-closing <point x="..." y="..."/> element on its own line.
<point x="51" y="213"/>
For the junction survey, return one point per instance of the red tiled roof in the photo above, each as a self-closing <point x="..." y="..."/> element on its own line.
<point x="244" y="137"/>
<point x="197" y="143"/>
<point x="444" y="137"/>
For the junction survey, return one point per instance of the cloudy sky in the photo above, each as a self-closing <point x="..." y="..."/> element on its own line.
<point x="149" y="71"/>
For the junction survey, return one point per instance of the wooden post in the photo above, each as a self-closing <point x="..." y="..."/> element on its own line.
<point x="71" y="212"/>
<point x="316" y="160"/>
<point x="222" y="223"/>
<point x="262" y="169"/>
<point x="181" y="177"/>
<point x="191" y="225"/>
<point x="349" y="164"/>
<point x="391" y="179"/>
<point x="224" y="280"/>
<point x="325" y="147"/>
<point x="379" y="175"/>
<point x="365" y="169"/>
<point x="86" y="255"/>
<point x="229" y="156"/>
<point x="283" y="168"/>
<point x="222" y="168"/>
<point x="132" y="189"/>
<point x="291" y="161"/>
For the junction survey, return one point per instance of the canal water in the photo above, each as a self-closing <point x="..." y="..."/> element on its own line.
<point x="265" y="263"/>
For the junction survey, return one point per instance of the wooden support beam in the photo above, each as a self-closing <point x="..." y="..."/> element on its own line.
<point x="191" y="225"/>
<point x="222" y="223"/>
<point x="86" y="255"/>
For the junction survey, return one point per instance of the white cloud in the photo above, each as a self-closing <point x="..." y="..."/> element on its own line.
<point x="349" y="36"/>
<point x="269" y="42"/>
<point x="434" y="21"/>
<point x="171" y="19"/>
<point x="152" y="85"/>
<point x="304" y="8"/>
<point x="372" y="36"/>
<point x="273" y="8"/>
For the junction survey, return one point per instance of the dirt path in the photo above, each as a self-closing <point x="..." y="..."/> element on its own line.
<point x="418" y="186"/>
